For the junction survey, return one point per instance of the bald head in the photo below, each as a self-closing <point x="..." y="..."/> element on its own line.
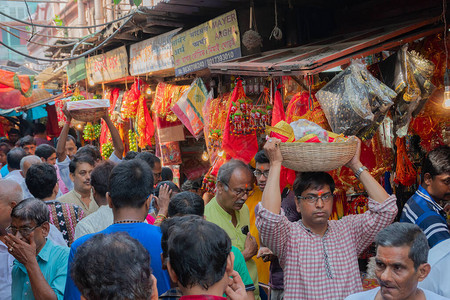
<point x="10" y="195"/>
<point x="10" y="191"/>
<point x="27" y="162"/>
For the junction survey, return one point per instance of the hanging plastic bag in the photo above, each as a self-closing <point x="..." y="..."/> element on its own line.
<point x="239" y="138"/>
<point x="354" y="99"/>
<point x="188" y="108"/>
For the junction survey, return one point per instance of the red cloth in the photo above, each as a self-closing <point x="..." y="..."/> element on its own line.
<point x="53" y="128"/>
<point x="278" y="110"/>
<point x="238" y="146"/>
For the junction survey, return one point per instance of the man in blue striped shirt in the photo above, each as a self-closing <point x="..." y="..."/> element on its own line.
<point x="423" y="207"/>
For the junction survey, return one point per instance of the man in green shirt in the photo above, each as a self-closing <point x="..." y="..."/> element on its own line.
<point x="228" y="211"/>
<point x="40" y="267"/>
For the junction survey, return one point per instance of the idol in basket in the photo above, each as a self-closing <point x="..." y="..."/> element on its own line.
<point x="320" y="256"/>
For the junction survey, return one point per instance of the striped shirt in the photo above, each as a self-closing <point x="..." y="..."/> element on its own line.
<point x="422" y="210"/>
<point x="323" y="267"/>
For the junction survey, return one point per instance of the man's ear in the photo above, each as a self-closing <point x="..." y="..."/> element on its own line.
<point x="230" y="263"/>
<point x="56" y="189"/>
<point x="45" y="228"/>
<point x="423" y="271"/>
<point x="219" y="187"/>
<point x="43" y="160"/>
<point x="12" y="204"/>
<point x="172" y="274"/>
<point x="108" y="198"/>
<point x="427" y="179"/>
<point x="297" y="205"/>
<point x="154" y="288"/>
<point x="71" y="177"/>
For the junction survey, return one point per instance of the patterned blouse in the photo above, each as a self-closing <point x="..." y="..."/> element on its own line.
<point x="65" y="217"/>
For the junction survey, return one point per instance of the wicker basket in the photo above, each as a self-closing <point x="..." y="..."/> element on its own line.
<point x="88" y="110"/>
<point x="317" y="157"/>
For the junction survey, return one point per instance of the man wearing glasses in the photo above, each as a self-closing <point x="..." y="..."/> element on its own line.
<point x="40" y="268"/>
<point x="273" y="269"/>
<point x="228" y="211"/>
<point x="320" y="256"/>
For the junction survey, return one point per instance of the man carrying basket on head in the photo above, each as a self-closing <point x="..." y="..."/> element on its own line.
<point x="320" y="256"/>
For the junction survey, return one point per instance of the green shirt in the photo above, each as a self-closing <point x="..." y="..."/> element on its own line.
<point x="216" y="214"/>
<point x="241" y="267"/>
<point x="52" y="261"/>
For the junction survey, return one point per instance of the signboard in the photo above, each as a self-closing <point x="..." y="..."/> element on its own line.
<point x="215" y="41"/>
<point x="108" y="66"/>
<point x="76" y="70"/>
<point x="152" y="55"/>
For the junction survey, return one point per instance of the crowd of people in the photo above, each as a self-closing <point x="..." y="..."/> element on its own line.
<point x="75" y="226"/>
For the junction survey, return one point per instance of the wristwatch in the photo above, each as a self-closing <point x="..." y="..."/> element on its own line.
<point x="360" y="170"/>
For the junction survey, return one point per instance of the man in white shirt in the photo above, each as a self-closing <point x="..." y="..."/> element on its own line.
<point x="103" y="217"/>
<point x="438" y="280"/>
<point x="13" y="158"/>
<point x="10" y="196"/>
<point x="400" y="264"/>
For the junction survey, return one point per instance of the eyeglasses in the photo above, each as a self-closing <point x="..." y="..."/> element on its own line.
<point x="239" y="192"/>
<point x="258" y="173"/>
<point x="313" y="199"/>
<point x="24" y="231"/>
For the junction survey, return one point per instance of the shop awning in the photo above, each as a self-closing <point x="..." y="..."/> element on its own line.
<point x="326" y="54"/>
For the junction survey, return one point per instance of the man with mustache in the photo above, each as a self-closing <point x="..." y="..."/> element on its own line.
<point x="80" y="173"/>
<point x="401" y="263"/>
<point x="424" y="208"/>
<point x="319" y="256"/>
<point x="228" y="211"/>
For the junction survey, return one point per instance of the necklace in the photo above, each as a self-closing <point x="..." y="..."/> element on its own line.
<point x="127" y="221"/>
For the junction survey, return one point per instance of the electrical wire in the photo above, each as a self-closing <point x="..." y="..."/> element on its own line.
<point x="444" y="12"/>
<point x="40" y="34"/>
<point x="45" y="45"/>
<point x="73" y="57"/>
<point x="33" y="30"/>
<point x="70" y="27"/>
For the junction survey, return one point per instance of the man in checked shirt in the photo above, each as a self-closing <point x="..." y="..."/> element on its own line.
<point x="320" y="256"/>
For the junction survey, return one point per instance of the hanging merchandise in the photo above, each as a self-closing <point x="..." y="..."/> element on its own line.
<point x="107" y="150"/>
<point x="260" y="113"/>
<point x="131" y="100"/>
<point x="278" y="110"/>
<point x="354" y="99"/>
<point x="166" y="95"/>
<point x="239" y="139"/>
<point x="405" y="172"/>
<point x="298" y="109"/>
<point x="170" y="153"/>
<point x="188" y="108"/>
<point x="215" y="113"/>
<point x="251" y="38"/>
<point x="409" y="74"/>
<point x="132" y="140"/>
<point x="144" y="126"/>
<point x="91" y="132"/>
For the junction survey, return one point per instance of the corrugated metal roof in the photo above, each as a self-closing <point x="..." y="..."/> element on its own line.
<point x="317" y="57"/>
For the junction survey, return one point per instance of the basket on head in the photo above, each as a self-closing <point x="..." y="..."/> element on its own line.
<point x="88" y="110"/>
<point x="317" y="157"/>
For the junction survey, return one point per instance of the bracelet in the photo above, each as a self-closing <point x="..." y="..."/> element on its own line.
<point x="359" y="171"/>
<point x="161" y="217"/>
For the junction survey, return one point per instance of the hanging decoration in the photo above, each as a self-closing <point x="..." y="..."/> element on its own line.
<point x="405" y="172"/>
<point x="91" y="132"/>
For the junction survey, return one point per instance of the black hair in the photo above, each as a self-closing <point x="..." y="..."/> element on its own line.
<point x="166" y="174"/>
<point x="31" y="210"/>
<point x="27" y="140"/>
<point x="437" y="162"/>
<point x="14" y="131"/>
<point x="45" y="151"/>
<point x="90" y="150"/>
<point x="130" y="184"/>
<point x="201" y="260"/>
<point x="100" y="176"/>
<point x="147" y="157"/>
<point x="192" y="184"/>
<point x="186" y="203"/>
<point x="39" y="128"/>
<point x="405" y="234"/>
<point x="315" y="180"/>
<point x="112" y="266"/>
<point x="261" y="157"/>
<point x="5" y="148"/>
<point x="41" y="180"/>
<point x="79" y="159"/>
<point x="172" y="186"/>
<point x="14" y="157"/>
<point x="130" y="155"/>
